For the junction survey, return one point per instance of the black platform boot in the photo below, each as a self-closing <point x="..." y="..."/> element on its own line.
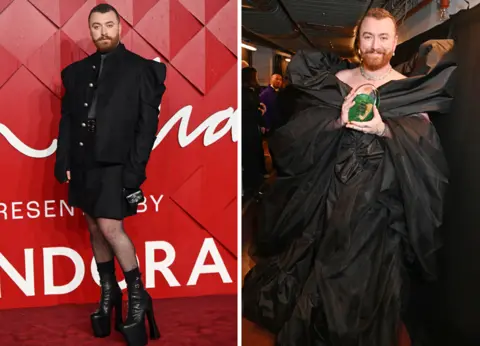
<point x="139" y="306"/>
<point x="111" y="297"/>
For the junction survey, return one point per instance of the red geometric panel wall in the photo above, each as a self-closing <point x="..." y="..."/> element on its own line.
<point x="186" y="230"/>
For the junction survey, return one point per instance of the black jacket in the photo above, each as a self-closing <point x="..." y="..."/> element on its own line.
<point x="129" y="91"/>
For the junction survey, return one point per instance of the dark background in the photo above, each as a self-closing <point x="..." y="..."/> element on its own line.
<point x="453" y="303"/>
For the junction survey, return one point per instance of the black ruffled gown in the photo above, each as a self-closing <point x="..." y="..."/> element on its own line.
<point x="352" y="218"/>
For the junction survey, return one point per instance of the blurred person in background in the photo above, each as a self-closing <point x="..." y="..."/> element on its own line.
<point x="253" y="164"/>
<point x="269" y="96"/>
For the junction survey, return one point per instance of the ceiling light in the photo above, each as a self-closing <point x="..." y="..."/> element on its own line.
<point x="246" y="46"/>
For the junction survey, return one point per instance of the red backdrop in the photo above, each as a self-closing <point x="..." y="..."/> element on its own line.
<point x="186" y="231"/>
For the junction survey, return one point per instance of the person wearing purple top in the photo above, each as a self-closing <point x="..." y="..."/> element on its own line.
<point x="269" y="98"/>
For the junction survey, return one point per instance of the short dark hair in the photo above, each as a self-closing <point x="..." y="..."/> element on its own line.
<point x="103" y="8"/>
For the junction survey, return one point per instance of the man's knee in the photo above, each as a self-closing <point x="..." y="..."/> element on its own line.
<point x="110" y="229"/>
<point x="95" y="232"/>
<point x="93" y="226"/>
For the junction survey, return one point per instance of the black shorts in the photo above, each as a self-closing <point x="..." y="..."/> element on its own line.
<point x="98" y="192"/>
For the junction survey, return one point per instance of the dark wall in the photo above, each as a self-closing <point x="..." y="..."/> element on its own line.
<point x="247" y="56"/>
<point x="461" y="139"/>
<point x="453" y="303"/>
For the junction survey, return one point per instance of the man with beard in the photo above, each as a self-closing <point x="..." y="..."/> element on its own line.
<point x="107" y="131"/>
<point x="350" y="225"/>
<point x="376" y="41"/>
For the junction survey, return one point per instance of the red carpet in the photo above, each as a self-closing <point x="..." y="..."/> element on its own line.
<point x="196" y="321"/>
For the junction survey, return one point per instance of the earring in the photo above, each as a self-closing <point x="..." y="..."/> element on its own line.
<point x="393" y="54"/>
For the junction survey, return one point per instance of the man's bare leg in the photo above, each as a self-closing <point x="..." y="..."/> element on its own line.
<point x="102" y="251"/>
<point x="112" y="230"/>
<point x="111" y="294"/>
<point x="139" y="301"/>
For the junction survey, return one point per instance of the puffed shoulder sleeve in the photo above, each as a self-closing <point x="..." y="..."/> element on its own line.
<point x="152" y="88"/>
<point x="153" y="83"/>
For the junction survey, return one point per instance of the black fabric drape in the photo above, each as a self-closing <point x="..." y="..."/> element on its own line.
<point x="407" y="49"/>
<point x="351" y="217"/>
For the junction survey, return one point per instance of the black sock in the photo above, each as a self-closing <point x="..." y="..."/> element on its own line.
<point x="132" y="276"/>
<point x="106" y="267"/>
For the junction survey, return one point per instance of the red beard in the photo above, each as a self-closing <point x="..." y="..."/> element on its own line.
<point x="107" y="45"/>
<point x="376" y="62"/>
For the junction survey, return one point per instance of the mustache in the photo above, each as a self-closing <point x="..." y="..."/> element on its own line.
<point x="104" y="38"/>
<point x="373" y="51"/>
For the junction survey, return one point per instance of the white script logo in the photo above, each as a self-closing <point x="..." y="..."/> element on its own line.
<point x="184" y="139"/>
<point x="209" y="126"/>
